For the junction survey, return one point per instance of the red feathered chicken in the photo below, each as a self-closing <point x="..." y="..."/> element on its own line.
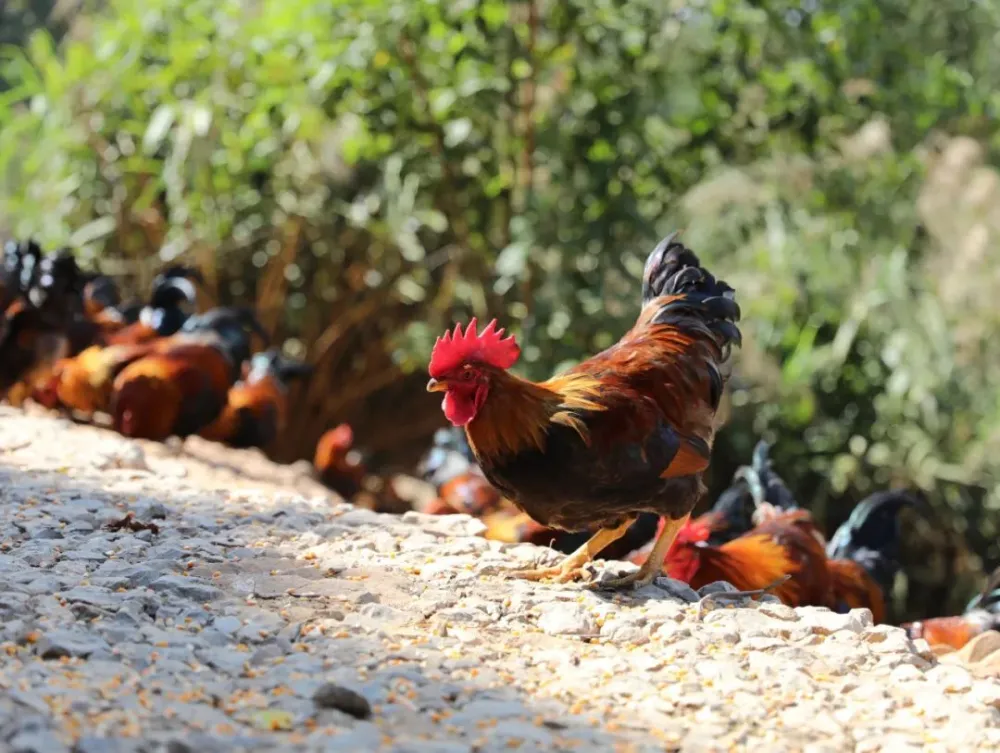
<point x="257" y="406"/>
<point x="627" y="431"/>
<point x="787" y="542"/>
<point x="338" y="464"/>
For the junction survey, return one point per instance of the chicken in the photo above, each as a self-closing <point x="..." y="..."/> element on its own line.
<point x="627" y="431"/>
<point x="34" y="332"/>
<point x="871" y="536"/>
<point x="180" y="385"/>
<point x="173" y="293"/>
<point x="788" y="544"/>
<point x="257" y="407"/>
<point x="338" y="464"/>
<point x="842" y="575"/>
<point x="461" y="487"/>
<point x="17" y="271"/>
<point x="981" y="614"/>
<point x="732" y="515"/>
<point x="83" y="382"/>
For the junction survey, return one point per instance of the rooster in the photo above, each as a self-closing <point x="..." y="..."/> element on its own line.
<point x="82" y="382"/>
<point x="180" y="385"/>
<point x="257" y="406"/>
<point x="18" y="270"/>
<point x="173" y="293"/>
<point x="788" y="544"/>
<point x="38" y="327"/>
<point x="338" y="465"/>
<point x="627" y="431"/>
<point x="871" y="536"/>
<point x="981" y="614"/>
<point x="846" y="574"/>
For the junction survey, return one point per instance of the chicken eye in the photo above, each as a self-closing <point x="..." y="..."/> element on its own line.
<point x="467" y="375"/>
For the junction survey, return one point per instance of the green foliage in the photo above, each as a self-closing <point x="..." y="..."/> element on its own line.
<point x="368" y="170"/>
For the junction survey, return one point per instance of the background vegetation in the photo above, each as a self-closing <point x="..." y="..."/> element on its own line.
<point x="366" y="171"/>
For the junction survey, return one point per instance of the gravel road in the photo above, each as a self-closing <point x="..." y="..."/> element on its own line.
<point x="264" y="614"/>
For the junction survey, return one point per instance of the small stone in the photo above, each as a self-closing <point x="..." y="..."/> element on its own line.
<point x="227" y="625"/>
<point x="332" y="696"/>
<point x="625" y="631"/>
<point x="950" y="679"/>
<point x="91" y="744"/>
<point x="906" y="673"/>
<point x="677" y="589"/>
<point x="565" y="619"/>
<point x="980" y="647"/>
<point x="56" y="644"/>
<point x="150" y="509"/>
<point x="824" y="622"/>
<point x="196" y="589"/>
<point x="717" y="587"/>
<point x="37" y="741"/>
<point x="446" y="525"/>
<point x="986" y="694"/>
<point x="779" y="611"/>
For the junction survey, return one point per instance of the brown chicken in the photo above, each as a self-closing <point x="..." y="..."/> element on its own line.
<point x="338" y="464"/>
<point x="82" y="380"/>
<point x="181" y="385"/>
<point x="257" y="406"/>
<point x="981" y="614"/>
<point x="787" y="542"/>
<point x="627" y="431"/>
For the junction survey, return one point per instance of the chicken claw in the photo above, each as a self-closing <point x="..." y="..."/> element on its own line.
<point x="653" y="566"/>
<point x="564" y="573"/>
<point x="571" y="568"/>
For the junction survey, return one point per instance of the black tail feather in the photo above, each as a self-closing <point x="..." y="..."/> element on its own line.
<point x="870" y="536"/>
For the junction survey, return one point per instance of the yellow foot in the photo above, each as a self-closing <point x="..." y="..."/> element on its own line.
<point x="559" y="573"/>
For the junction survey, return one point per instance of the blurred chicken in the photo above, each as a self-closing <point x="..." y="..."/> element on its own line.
<point x="257" y="406"/>
<point x="625" y="432"/>
<point x="38" y="327"/>
<point x="338" y="464"/>
<point x="981" y="614"/>
<point x="871" y="536"/>
<point x="180" y="386"/>
<point x="18" y="270"/>
<point x="83" y="382"/>
<point x="843" y="575"/>
<point x="171" y="300"/>
<point x="450" y="466"/>
<point x="785" y="545"/>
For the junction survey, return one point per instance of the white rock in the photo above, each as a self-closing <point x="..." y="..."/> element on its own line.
<point x="824" y="622"/>
<point x="565" y="619"/>
<point x="950" y="679"/>
<point x="779" y="611"/>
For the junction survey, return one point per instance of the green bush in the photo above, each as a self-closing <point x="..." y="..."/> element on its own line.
<point x="366" y="171"/>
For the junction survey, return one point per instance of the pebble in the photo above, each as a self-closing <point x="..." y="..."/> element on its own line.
<point x="260" y="619"/>
<point x="332" y="696"/>
<point x="565" y="619"/>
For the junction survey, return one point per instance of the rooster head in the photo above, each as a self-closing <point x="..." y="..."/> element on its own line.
<point x="463" y="364"/>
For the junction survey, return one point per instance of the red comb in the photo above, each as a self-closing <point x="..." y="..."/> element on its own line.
<point x="457" y="347"/>
<point x="342" y="436"/>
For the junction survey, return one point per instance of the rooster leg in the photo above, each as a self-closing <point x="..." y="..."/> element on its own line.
<point x="653" y="566"/>
<point x="571" y="567"/>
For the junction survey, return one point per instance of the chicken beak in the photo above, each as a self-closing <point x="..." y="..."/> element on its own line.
<point x="435" y="386"/>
